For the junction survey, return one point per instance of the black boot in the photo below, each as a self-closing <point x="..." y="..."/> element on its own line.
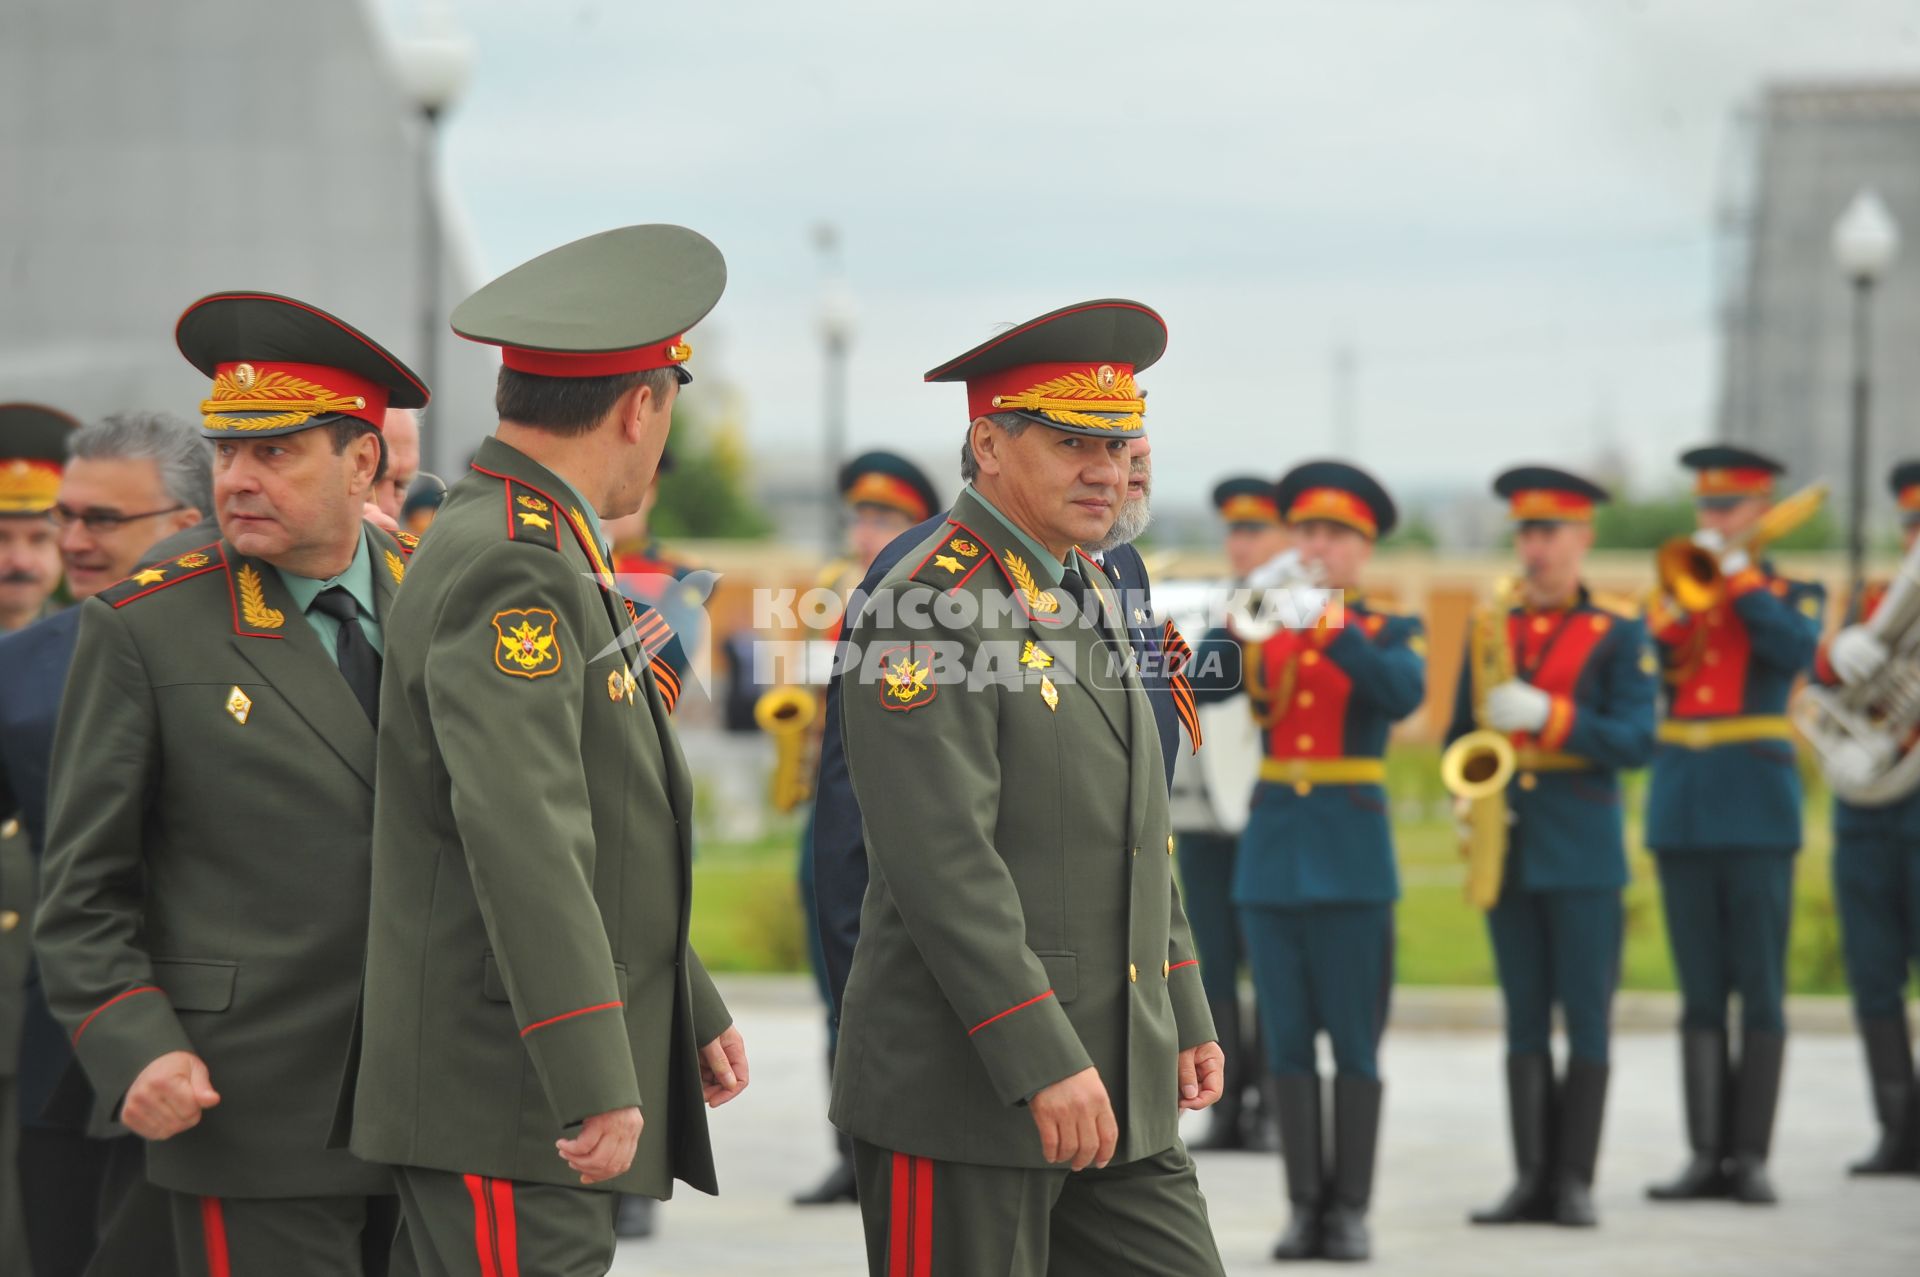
<point x="1356" y="1134"/>
<point x="1756" y="1097"/>
<point x="1583" y="1103"/>
<point x="634" y="1216"/>
<point x="1296" y="1103"/>
<point x="1223" y="1126"/>
<point x="839" y="1185"/>
<point x="1529" y="1115"/>
<point x="1890" y="1070"/>
<point x="1704" y="1086"/>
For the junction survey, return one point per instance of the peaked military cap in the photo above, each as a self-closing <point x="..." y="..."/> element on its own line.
<point x="1904" y="479"/>
<point x="1246" y="499"/>
<point x="1725" y="473"/>
<point x="279" y="365"/>
<point x="33" y="453"/>
<point x="1071" y="368"/>
<point x="613" y="303"/>
<point x="1338" y="492"/>
<point x="888" y="479"/>
<point x="426" y="492"/>
<point x="1548" y="494"/>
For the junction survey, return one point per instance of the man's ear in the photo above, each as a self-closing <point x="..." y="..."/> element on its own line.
<point x="985" y="439"/>
<point x="632" y="411"/>
<point x="366" y="453"/>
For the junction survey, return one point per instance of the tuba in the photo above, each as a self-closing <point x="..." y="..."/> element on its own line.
<point x="787" y="715"/>
<point x="1864" y="734"/>
<point x="1477" y="767"/>
<point x="1690" y="573"/>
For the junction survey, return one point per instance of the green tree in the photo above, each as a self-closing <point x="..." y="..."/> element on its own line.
<point x="706" y="494"/>
<point x="1647" y="525"/>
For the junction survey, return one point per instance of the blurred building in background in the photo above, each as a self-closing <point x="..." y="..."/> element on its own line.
<point x="152" y="153"/>
<point x="1800" y="156"/>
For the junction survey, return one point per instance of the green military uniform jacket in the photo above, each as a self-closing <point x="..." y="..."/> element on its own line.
<point x="1021" y="922"/>
<point x="527" y="961"/>
<point x="205" y="883"/>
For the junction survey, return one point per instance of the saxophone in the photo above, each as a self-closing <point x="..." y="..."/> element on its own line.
<point x="787" y="715"/>
<point x="1478" y="766"/>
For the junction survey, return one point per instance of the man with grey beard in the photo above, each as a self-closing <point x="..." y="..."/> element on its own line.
<point x="839" y="843"/>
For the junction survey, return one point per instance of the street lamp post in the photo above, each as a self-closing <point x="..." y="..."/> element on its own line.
<point x="1866" y="240"/>
<point x="836" y="337"/>
<point x="434" y="65"/>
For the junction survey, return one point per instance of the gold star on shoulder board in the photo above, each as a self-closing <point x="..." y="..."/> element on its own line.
<point x="151" y="576"/>
<point x="533" y="520"/>
<point x="946" y="561"/>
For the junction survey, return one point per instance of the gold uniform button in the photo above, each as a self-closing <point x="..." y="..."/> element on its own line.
<point x="1704" y="695"/>
<point x="1528" y="780"/>
<point x="1166" y="969"/>
<point x="1133" y="973"/>
<point x="1303" y="742"/>
<point x="1712" y="656"/>
<point x="8" y="920"/>
<point x="1309" y="658"/>
<point x="1169" y="844"/>
<point x="10" y="828"/>
<point x="1302" y="788"/>
<point x="1541" y="624"/>
<point x="1304" y="700"/>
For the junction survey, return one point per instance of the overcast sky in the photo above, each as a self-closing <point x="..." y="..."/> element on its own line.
<point x="1504" y="207"/>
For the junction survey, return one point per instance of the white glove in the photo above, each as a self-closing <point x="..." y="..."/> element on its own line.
<point x="1515" y="706"/>
<point x="1734" y="562"/>
<point x="1710" y="540"/>
<point x="1283" y="571"/>
<point x="1856" y="654"/>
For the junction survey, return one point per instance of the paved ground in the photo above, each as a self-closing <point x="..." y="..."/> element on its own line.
<point x="1444" y="1150"/>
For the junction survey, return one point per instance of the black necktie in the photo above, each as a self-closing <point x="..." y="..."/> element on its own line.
<point x="359" y="663"/>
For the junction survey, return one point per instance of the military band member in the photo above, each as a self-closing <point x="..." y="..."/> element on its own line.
<point x="33" y="447"/>
<point x="204" y="923"/>
<point x="1315" y="879"/>
<point x="131" y="480"/>
<point x="530" y="992"/>
<point x="1876" y="886"/>
<point x="1579" y="710"/>
<point x="885" y="494"/>
<point x="1723" y="822"/>
<point x="1255" y="535"/>
<point x="1024" y="1021"/>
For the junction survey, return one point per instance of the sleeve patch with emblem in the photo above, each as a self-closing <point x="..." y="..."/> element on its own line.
<point x="527" y="642"/>
<point x="907" y="680"/>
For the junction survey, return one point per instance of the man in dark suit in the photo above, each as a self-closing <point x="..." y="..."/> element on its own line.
<point x="839" y="844"/>
<point x="129" y="482"/>
<point x="203" y="927"/>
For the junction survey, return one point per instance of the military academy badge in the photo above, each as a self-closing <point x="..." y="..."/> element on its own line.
<point x="527" y="644"/>
<point x="907" y="683"/>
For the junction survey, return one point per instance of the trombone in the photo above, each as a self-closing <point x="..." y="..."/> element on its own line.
<point x="1690" y="574"/>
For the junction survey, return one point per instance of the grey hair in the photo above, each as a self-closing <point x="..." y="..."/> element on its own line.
<point x="1011" y="422"/>
<point x="184" y="459"/>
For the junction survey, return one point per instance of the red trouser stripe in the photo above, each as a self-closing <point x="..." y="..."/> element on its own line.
<point x="213" y="1231"/>
<point x="482" y="1225"/>
<point x="506" y="1228"/>
<point x="910" y="1222"/>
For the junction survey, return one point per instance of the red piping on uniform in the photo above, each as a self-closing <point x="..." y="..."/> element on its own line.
<point x="1190" y="962"/>
<point x="923" y="1218"/>
<point x="213" y="1232"/>
<point x="145" y="988"/>
<point x="568" y="1015"/>
<point x="483" y="1245"/>
<point x="910" y="1218"/>
<point x="506" y="1227"/>
<point x="1009" y="1011"/>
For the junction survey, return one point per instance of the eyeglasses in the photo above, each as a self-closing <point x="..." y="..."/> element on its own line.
<point x="99" y="522"/>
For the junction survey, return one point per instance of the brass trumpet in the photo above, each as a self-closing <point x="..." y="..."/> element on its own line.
<point x="1478" y="767"/>
<point x="787" y="714"/>
<point x="1690" y="574"/>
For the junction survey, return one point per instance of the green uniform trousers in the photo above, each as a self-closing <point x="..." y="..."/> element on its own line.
<point x="478" y="1226"/>
<point x="1727" y="919"/>
<point x="1557" y="946"/>
<point x="952" y="1219"/>
<point x="1205" y="863"/>
<point x="1321" y="969"/>
<point x="1876" y="884"/>
<point x="285" y="1236"/>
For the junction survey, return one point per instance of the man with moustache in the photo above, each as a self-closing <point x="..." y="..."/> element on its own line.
<point x="33" y="443"/>
<point x="1023" y="1024"/>
<point x="129" y="482"/>
<point x="203" y="928"/>
<point x="538" y="1036"/>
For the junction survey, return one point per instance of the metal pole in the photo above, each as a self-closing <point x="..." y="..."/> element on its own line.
<point x="835" y="409"/>
<point x="1857" y="473"/>
<point x="433" y="443"/>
